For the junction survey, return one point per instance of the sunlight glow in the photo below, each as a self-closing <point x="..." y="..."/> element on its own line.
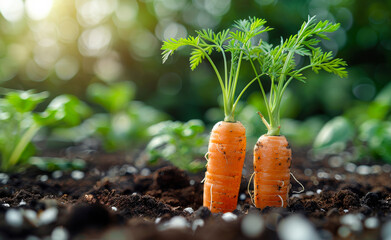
<point x="12" y="11"/>
<point x="38" y="9"/>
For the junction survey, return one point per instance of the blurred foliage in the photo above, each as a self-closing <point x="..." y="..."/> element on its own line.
<point x="183" y="144"/>
<point x="366" y="125"/>
<point x="121" y="123"/>
<point x="19" y="124"/>
<point x="51" y="164"/>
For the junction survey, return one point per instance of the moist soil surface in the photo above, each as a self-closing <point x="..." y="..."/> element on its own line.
<point x="113" y="199"/>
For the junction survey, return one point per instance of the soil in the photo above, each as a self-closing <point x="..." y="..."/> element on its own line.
<point x="116" y="200"/>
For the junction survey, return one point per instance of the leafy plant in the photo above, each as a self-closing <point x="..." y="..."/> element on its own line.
<point x="279" y="64"/>
<point x="183" y="144"/>
<point x="367" y="126"/>
<point x="226" y="42"/>
<point x="126" y="121"/>
<point x="19" y="122"/>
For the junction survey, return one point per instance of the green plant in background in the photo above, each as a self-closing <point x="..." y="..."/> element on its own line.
<point x="19" y="124"/>
<point x="126" y="121"/>
<point x="183" y="144"/>
<point x="367" y="126"/>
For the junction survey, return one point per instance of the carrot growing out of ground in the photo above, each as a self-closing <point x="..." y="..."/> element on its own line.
<point x="227" y="143"/>
<point x="272" y="153"/>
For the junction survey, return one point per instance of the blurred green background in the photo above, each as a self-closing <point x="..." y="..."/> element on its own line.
<point x="65" y="46"/>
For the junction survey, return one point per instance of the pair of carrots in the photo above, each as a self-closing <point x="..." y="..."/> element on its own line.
<point x="227" y="145"/>
<point x="226" y="153"/>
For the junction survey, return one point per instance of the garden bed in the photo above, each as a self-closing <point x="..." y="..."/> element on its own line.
<point x="112" y="198"/>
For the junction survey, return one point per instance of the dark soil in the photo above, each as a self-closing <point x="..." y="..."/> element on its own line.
<point x="114" y="200"/>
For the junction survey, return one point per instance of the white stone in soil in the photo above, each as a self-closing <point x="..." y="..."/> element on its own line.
<point x="57" y="174"/>
<point x="77" y="175"/>
<point x="343" y="231"/>
<point x="177" y="222"/>
<point x="336" y="161"/>
<point x="114" y="209"/>
<point x="43" y="178"/>
<point x="309" y="193"/>
<point x="372" y="223"/>
<point x="242" y="197"/>
<point x="364" y="170"/>
<point x="191" y="182"/>
<point x="22" y="203"/>
<point x="345" y="210"/>
<point x="318" y="191"/>
<point x="189" y="210"/>
<point x="60" y="233"/>
<point x="14" y="217"/>
<point x="197" y="223"/>
<point x="6" y="205"/>
<point x="31" y="216"/>
<point x="350" y="167"/>
<point x="252" y="225"/>
<point x="145" y="172"/>
<point x="48" y="216"/>
<point x="352" y="221"/>
<point x="386" y="231"/>
<point x="4" y="178"/>
<point x="157" y="220"/>
<point x="229" y="217"/>
<point x="296" y="227"/>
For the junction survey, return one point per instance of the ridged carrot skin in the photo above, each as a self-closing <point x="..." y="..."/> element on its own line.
<point x="226" y="152"/>
<point x="272" y="162"/>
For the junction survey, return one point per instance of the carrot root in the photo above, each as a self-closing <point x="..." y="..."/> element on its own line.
<point x="272" y="161"/>
<point x="226" y="153"/>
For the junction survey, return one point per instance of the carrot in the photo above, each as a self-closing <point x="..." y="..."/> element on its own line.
<point x="272" y="162"/>
<point x="227" y="143"/>
<point x="226" y="152"/>
<point x="272" y="154"/>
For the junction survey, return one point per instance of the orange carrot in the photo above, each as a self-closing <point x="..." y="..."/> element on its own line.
<point x="272" y="162"/>
<point x="226" y="152"/>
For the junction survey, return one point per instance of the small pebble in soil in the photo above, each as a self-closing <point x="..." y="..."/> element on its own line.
<point x="386" y="168"/>
<point x="371" y="223"/>
<point x="296" y="227"/>
<point x="31" y="216"/>
<point x="242" y="197"/>
<point x="343" y="232"/>
<point x="386" y="231"/>
<point x="352" y="221"/>
<point x="22" y="203"/>
<point x="376" y="169"/>
<point x="338" y="177"/>
<point x="346" y="210"/>
<point x="188" y="210"/>
<point x="43" y="178"/>
<point x="252" y="225"/>
<point x="197" y="223"/>
<point x="5" y="205"/>
<point x="336" y="161"/>
<point x="191" y="182"/>
<point x="318" y="191"/>
<point x="177" y="222"/>
<point x="157" y="220"/>
<point x="145" y="172"/>
<point x="309" y="193"/>
<point x="364" y="170"/>
<point x="114" y="209"/>
<point x="57" y="174"/>
<point x="229" y="217"/>
<point x="14" y="217"/>
<point x="350" y="167"/>
<point x="322" y="174"/>
<point x="60" y="233"/>
<point x="48" y="216"/>
<point x="308" y="172"/>
<point x="3" y="178"/>
<point x="77" y="174"/>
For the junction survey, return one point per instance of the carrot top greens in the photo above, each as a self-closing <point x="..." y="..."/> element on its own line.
<point x="278" y="63"/>
<point x="229" y="44"/>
